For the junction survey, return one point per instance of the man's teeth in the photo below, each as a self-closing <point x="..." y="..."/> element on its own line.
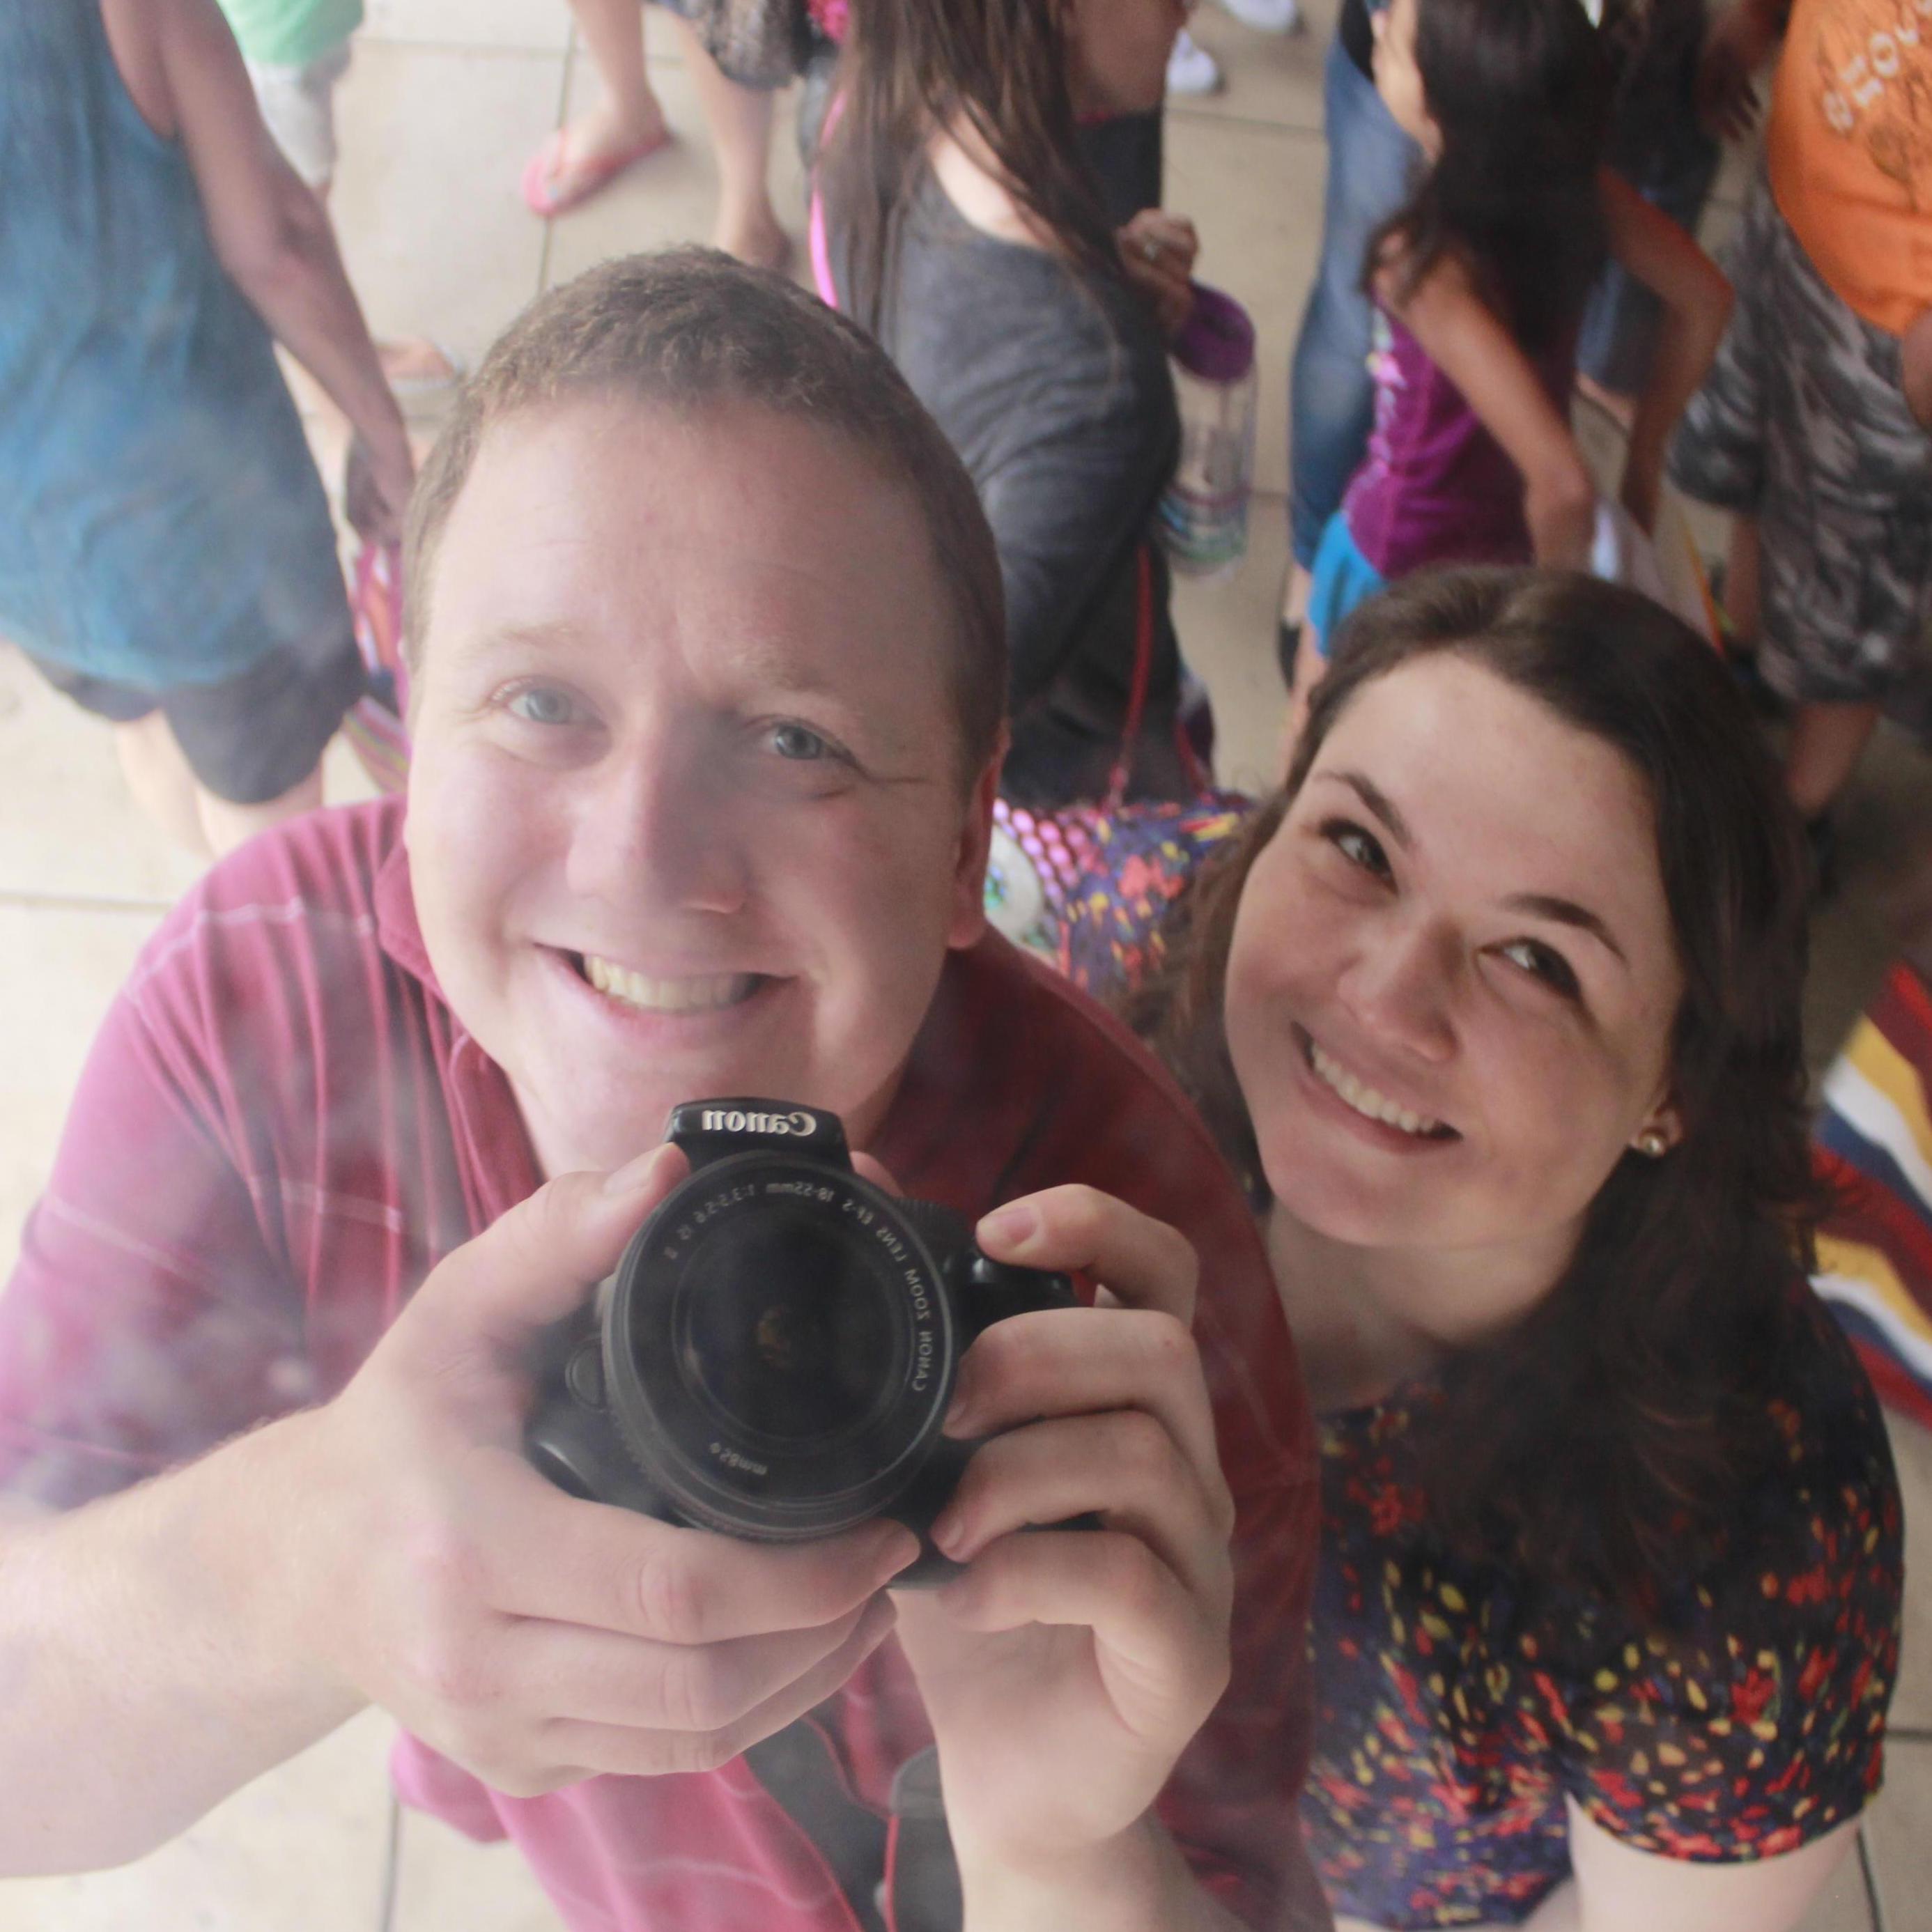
<point x="1365" y="1099"/>
<point x="668" y="996"/>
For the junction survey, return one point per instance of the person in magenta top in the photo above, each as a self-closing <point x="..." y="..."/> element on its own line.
<point x="1480" y="281"/>
<point x="707" y="722"/>
<point x="1435" y="483"/>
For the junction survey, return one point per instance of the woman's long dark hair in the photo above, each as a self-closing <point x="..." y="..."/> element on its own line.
<point x="1619" y="1421"/>
<point x="998" y="67"/>
<point x="1521" y="90"/>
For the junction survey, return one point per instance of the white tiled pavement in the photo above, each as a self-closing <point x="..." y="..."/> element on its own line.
<point x="446" y="100"/>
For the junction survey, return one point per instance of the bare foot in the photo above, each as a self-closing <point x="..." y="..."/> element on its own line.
<point x="415" y="362"/>
<point x="1620" y="409"/>
<point x="592" y="151"/>
<point x="758" y="240"/>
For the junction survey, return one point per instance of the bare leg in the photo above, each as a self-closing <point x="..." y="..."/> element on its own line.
<point x="1310" y="667"/>
<point x="1742" y="604"/>
<point x="1826" y="743"/>
<point x="166" y="788"/>
<point x="740" y="121"/>
<point x="158" y="776"/>
<point x="225" y="825"/>
<point x="628" y="115"/>
<point x="1294" y="594"/>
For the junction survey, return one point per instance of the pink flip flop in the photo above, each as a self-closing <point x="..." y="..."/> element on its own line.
<point x="541" y="195"/>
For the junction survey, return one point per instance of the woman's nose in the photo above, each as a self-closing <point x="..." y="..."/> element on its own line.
<point x="1400" y="988"/>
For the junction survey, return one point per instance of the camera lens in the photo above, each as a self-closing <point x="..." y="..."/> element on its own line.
<point x="789" y="1330"/>
<point x="779" y="1347"/>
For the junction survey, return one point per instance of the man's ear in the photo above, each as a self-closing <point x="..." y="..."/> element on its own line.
<point x="976" y="842"/>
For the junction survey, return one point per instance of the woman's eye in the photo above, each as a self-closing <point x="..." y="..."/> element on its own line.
<point x="797" y="741"/>
<point x="1543" y="964"/>
<point x="1358" y="846"/>
<point x="542" y="704"/>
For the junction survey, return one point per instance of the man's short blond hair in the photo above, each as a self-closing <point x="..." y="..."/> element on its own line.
<point x="690" y="329"/>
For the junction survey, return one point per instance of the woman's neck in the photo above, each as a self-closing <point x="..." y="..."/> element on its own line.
<point x="964" y="166"/>
<point x="1366" y="1320"/>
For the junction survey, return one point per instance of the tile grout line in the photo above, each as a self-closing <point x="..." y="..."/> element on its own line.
<point x="33" y="901"/>
<point x="1872" y="1901"/>
<point x="562" y="121"/>
<point x="392" y="1860"/>
<point x="1197" y="117"/>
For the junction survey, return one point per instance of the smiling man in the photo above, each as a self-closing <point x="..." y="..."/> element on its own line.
<point x="706" y="638"/>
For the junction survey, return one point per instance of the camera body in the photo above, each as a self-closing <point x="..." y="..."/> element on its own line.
<point x="776" y="1354"/>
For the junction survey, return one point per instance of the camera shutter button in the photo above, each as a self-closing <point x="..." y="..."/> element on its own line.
<point x="583" y="1374"/>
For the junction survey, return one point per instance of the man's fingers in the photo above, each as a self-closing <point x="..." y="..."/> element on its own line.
<point x="588" y="1676"/>
<point x="535" y="1264"/>
<point x="1162" y="1654"/>
<point x="616" y="1749"/>
<point x="611" y="1569"/>
<point x="1146" y="1263"/>
<point x="1123" y="1467"/>
<point x="1084" y="1361"/>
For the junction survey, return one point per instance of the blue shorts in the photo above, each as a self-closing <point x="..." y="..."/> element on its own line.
<point x="1341" y="578"/>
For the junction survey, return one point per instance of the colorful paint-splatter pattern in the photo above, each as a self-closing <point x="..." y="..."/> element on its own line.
<point x="1459" y="1706"/>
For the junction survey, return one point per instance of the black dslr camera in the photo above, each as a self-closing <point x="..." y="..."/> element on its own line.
<point x="777" y="1350"/>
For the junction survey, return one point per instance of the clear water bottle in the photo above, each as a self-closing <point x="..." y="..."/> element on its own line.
<point x="1204" y="515"/>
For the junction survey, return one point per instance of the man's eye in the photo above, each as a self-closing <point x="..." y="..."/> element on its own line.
<point x="796" y="741"/>
<point x="1360" y="847"/>
<point x="542" y="704"/>
<point x="1543" y="963"/>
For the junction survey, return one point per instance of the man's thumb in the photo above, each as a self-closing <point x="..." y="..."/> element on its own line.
<point x="536" y="1263"/>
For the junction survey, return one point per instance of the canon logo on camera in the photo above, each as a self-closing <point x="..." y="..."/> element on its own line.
<point x="733" y="1120"/>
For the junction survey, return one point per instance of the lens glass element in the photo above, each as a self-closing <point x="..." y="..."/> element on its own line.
<point x="790" y="1330"/>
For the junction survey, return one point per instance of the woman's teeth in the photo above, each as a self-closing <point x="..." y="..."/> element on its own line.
<point x="668" y="996"/>
<point x="1365" y="1100"/>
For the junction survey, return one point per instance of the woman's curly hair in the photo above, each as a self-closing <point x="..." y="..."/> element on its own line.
<point x="1625" y="1413"/>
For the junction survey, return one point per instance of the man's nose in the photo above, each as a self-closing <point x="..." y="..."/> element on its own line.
<point x="1400" y="986"/>
<point x="656" y="827"/>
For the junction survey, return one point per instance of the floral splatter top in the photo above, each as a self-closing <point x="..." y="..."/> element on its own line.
<point x="1458" y="1706"/>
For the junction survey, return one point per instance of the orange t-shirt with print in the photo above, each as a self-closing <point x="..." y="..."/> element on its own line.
<point x="1850" y="150"/>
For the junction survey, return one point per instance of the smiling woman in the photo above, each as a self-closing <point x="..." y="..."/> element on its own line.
<point x="1495" y="1006"/>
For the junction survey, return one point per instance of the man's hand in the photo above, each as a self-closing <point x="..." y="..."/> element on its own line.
<point x="1737" y="43"/>
<point x="1914" y="349"/>
<point x="1158" y="251"/>
<point x="536" y="1638"/>
<point x="1065" y="1672"/>
<point x="376" y="485"/>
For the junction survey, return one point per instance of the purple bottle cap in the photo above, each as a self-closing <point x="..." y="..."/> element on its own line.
<point x="1218" y="342"/>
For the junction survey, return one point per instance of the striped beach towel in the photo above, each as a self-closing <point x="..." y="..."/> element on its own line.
<point x="1873" y="1144"/>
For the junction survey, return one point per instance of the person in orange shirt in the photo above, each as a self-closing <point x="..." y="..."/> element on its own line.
<point x="1813" y="425"/>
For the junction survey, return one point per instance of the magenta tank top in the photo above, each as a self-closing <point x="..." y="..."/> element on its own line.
<point x="1435" y="486"/>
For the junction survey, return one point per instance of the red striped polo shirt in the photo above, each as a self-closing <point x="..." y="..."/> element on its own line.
<point x="282" y="1127"/>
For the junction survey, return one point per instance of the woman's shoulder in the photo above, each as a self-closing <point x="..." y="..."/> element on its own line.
<point x="1054" y="323"/>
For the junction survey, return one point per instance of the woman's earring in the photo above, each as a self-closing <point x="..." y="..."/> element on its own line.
<point x="1653" y="1142"/>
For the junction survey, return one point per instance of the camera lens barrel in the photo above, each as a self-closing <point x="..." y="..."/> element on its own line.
<point x="780" y="1346"/>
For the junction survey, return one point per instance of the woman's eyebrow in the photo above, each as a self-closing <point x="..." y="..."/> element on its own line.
<point x="1378" y="802"/>
<point x="1565" y="912"/>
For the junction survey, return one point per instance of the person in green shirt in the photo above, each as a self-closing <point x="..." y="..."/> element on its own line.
<point x="297" y="51"/>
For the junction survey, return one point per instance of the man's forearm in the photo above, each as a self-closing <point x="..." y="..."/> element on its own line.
<point x="149" y="1662"/>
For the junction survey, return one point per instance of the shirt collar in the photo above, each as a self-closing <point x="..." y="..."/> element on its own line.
<point x="397" y="927"/>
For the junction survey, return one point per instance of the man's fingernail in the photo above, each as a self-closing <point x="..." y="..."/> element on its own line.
<point x="892" y="1549"/>
<point x="949" y="1531"/>
<point x="1012" y="1226"/>
<point x="634" y="1175"/>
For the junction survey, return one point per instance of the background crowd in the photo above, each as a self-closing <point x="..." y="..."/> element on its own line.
<point x="1476" y="335"/>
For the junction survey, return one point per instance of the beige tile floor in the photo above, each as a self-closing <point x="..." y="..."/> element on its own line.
<point x="445" y="101"/>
